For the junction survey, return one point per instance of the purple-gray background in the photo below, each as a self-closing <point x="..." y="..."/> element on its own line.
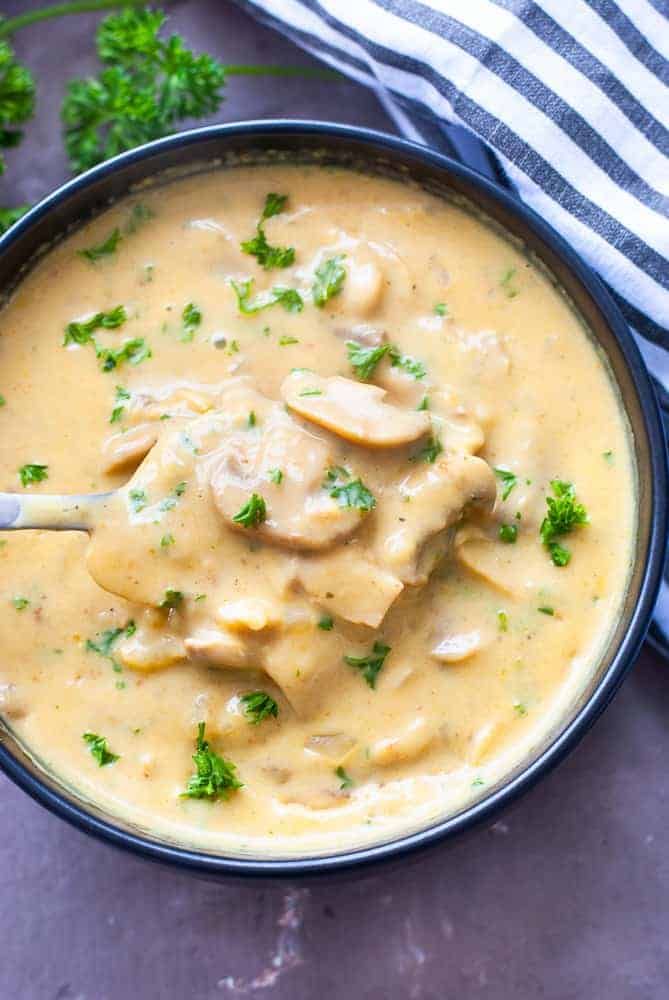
<point x="564" y="898"/>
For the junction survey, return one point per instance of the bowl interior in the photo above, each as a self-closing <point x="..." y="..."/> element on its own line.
<point x="254" y="143"/>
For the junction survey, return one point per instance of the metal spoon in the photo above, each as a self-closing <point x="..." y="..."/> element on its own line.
<point x="48" y="511"/>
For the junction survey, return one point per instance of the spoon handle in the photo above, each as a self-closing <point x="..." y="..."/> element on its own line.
<point x="40" y="510"/>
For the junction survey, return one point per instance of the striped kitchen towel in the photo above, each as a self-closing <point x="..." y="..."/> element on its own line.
<point x="568" y="98"/>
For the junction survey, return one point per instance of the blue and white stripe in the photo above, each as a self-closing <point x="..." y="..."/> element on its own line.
<point x="572" y="97"/>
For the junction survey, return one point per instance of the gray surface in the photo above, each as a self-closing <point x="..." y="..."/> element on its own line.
<point x="566" y="897"/>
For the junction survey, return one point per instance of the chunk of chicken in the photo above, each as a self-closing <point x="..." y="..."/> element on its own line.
<point x="349" y="585"/>
<point x="286" y="465"/>
<point x="429" y="501"/>
<point x="355" y="411"/>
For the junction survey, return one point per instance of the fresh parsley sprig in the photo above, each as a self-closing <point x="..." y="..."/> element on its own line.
<point x="564" y="514"/>
<point x="215" y="777"/>
<point x="98" y="747"/>
<point x="370" y="665"/>
<point x="269" y="256"/>
<point x="289" y="298"/>
<point x="258" y="706"/>
<point x="328" y="280"/>
<point x="348" y="492"/>
<point x="365" y="359"/>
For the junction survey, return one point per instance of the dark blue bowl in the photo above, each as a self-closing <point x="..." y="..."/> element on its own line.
<point x="319" y="142"/>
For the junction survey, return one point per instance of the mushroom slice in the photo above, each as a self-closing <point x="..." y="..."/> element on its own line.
<point x="488" y="560"/>
<point x="333" y="747"/>
<point x="218" y="648"/>
<point x="123" y="450"/>
<point x="458" y="646"/>
<point x="285" y="465"/>
<point x="149" y="649"/>
<point x="430" y="501"/>
<point x="353" y="410"/>
<point x="250" y="614"/>
<point x="350" y="586"/>
<point x="408" y="744"/>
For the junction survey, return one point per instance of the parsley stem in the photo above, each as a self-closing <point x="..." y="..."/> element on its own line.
<point x="309" y="72"/>
<point x="12" y="24"/>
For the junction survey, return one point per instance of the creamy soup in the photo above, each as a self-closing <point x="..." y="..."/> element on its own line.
<point x="372" y="519"/>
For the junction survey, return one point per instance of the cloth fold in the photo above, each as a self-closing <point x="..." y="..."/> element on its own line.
<point x="567" y="103"/>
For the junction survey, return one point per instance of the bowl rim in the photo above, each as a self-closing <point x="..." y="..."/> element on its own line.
<point x="193" y="859"/>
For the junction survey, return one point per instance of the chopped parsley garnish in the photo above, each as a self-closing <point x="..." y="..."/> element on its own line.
<point x="348" y="492"/>
<point x="328" y="280"/>
<point x="215" y="777"/>
<point x="33" y="473"/>
<point x="558" y="553"/>
<point x="251" y="419"/>
<point x="259" y="705"/>
<point x="326" y="623"/>
<point x="608" y="457"/>
<point x="275" y="475"/>
<point x="104" y="642"/>
<point x="289" y="298"/>
<point x="508" y="479"/>
<point x="424" y="403"/>
<point x="503" y="621"/>
<point x="104" y="249"/>
<point x="3" y="401"/>
<point x="564" y="514"/>
<point x="477" y="782"/>
<point x="505" y="282"/>
<point x="122" y="396"/>
<point x="286" y="341"/>
<point x="191" y="318"/>
<point x="166" y="541"/>
<point x="20" y="603"/>
<point x="508" y="533"/>
<point x="311" y="392"/>
<point x="268" y="256"/>
<point x="346" y="780"/>
<point x="370" y="665"/>
<point x="410" y="365"/>
<point x="430" y="451"/>
<point x="171" y="600"/>
<point x="253" y="513"/>
<point x="82" y="332"/>
<point x="134" y="351"/>
<point x="441" y="309"/>
<point x="98" y="747"/>
<point x="139" y="214"/>
<point x="170" y="501"/>
<point x="138" y="500"/>
<point x="520" y="708"/>
<point x="365" y="359"/>
<point x="546" y="609"/>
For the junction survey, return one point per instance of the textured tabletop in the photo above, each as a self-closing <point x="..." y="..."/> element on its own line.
<point x="566" y="897"/>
